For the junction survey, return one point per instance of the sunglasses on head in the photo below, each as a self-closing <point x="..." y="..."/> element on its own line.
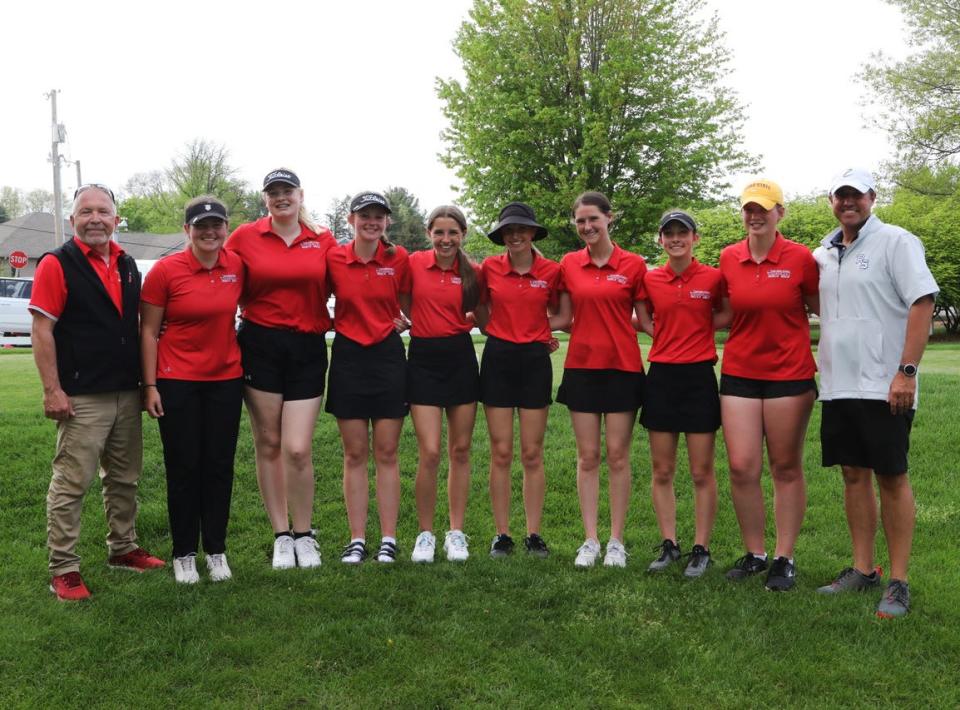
<point x="95" y="186"/>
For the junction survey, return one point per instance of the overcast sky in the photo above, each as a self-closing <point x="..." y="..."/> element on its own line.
<point x="343" y="93"/>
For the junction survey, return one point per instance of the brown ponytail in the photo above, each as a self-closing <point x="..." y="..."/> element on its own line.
<point x="469" y="286"/>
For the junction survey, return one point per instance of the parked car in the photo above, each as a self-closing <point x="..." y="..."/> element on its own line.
<point x="14" y="297"/>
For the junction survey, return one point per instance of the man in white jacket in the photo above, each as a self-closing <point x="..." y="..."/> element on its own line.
<point x="876" y="304"/>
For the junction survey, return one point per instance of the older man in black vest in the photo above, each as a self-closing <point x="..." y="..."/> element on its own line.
<point x="85" y="342"/>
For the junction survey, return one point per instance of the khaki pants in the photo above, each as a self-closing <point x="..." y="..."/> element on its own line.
<point x="104" y="434"/>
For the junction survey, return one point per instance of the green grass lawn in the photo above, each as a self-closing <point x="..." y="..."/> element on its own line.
<point x="512" y="633"/>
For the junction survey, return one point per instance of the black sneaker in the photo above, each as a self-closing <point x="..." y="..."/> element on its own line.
<point x="536" y="546"/>
<point x="746" y="566"/>
<point x="501" y="546"/>
<point x="669" y="553"/>
<point x="698" y="560"/>
<point x="782" y="575"/>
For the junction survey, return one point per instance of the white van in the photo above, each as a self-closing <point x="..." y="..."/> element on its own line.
<point x="14" y="297"/>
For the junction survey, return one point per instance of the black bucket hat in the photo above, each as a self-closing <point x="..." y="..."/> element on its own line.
<point x="516" y="213"/>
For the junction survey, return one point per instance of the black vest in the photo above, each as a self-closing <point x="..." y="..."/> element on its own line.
<point x="97" y="350"/>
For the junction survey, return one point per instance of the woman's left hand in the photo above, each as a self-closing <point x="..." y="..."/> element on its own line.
<point x="400" y="323"/>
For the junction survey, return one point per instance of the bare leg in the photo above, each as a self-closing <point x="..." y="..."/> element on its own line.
<point x="265" y="410"/>
<point x="700" y="449"/>
<point x="619" y="434"/>
<point x="663" y="457"/>
<point x="533" y="426"/>
<point x="500" y="427"/>
<point x="460" y="421"/>
<point x="296" y="444"/>
<point x="386" y="440"/>
<point x="586" y="430"/>
<point x="860" y="503"/>
<point x="356" y="451"/>
<point x="785" y="424"/>
<point x="898" y="512"/>
<point x="428" y="424"/>
<point x="743" y="433"/>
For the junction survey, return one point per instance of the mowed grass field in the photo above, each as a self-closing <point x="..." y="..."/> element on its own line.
<point x="513" y="633"/>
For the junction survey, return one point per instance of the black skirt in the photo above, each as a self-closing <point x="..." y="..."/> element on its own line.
<point x="681" y="398"/>
<point x="601" y="391"/>
<point x="442" y="372"/>
<point x="367" y="381"/>
<point x="515" y="374"/>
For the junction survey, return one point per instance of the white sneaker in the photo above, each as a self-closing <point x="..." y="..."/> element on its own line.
<point x="424" y="547"/>
<point x="455" y="545"/>
<point x="218" y="568"/>
<point x="307" y="551"/>
<point x="587" y="553"/>
<point x="284" y="556"/>
<point x="616" y="554"/>
<point x="185" y="569"/>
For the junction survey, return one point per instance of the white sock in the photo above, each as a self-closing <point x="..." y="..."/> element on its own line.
<point x="391" y="540"/>
<point x="361" y="540"/>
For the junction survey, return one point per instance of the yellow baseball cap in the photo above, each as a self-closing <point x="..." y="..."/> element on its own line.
<point x="765" y="193"/>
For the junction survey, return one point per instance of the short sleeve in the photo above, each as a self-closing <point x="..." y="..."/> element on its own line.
<point x="49" y="295"/>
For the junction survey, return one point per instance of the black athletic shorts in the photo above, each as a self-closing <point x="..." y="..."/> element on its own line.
<point x="601" y="391"/>
<point x="864" y="433"/>
<point x="515" y="374"/>
<point x="286" y="362"/>
<point x="367" y="381"/>
<point x="765" y="389"/>
<point x="681" y="398"/>
<point x="442" y="372"/>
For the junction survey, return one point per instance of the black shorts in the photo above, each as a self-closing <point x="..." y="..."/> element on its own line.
<point x="681" y="398"/>
<point x="367" y="381"/>
<point x="601" y="391"/>
<point x="285" y="362"/>
<point x="442" y="372"/>
<point x="765" y="389"/>
<point x="515" y="374"/>
<point x="864" y="433"/>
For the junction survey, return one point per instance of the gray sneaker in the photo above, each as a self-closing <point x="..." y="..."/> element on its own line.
<point x="699" y="561"/>
<point x="896" y="600"/>
<point x="851" y="580"/>
<point x="669" y="553"/>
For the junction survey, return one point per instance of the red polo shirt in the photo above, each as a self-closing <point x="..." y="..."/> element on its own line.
<point x="518" y="302"/>
<point x="368" y="294"/>
<point x="683" y="306"/>
<point x="199" y="341"/>
<point x="49" y="295"/>
<point x="284" y="286"/>
<point x="602" y="337"/>
<point x="770" y="334"/>
<point x="437" y="308"/>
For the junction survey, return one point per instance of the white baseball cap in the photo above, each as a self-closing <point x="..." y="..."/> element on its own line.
<point x="859" y="179"/>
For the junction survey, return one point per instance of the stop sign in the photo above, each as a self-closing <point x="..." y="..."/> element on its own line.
<point x="18" y="259"/>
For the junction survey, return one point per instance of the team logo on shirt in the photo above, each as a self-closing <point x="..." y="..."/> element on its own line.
<point x="456" y="280"/>
<point x="778" y="273"/>
<point x="701" y="295"/>
<point x="309" y="244"/>
<point x="385" y="271"/>
<point x="228" y="278"/>
<point x="619" y="278"/>
<point x="863" y="262"/>
<point x="538" y="283"/>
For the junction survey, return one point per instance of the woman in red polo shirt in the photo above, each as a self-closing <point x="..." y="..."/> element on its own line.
<point x="368" y="369"/>
<point x="680" y="392"/>
<point x="603" y="371"/>
<point x="767" y="386"/>
<point x="519" y="304"/>
<point x="442" y="375"/>
<point x="195" y="391"/>
<point x="284" y="352"/>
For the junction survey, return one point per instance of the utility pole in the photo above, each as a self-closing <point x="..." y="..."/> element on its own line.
<point x="58" y="135"/>
<point x="79" y="181"/>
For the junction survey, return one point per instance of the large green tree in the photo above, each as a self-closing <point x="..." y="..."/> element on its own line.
<point x="11" y="198"/>
<point x="407" y="225"/>
<point x="561" y="96"/>
<point x="336" y="219"/>
<point x="917" y="100"/>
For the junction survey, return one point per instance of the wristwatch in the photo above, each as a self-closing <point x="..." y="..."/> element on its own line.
<point x="908" y="369"/>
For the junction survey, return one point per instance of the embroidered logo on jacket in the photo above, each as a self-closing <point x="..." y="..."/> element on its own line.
<point x="701" y="295"/>
<point x="228" y="278"/>
<point x="863" y="262"/>
<point x="619" y="278"/>
<point x="456" y="280"/>
<point x="538" y="283"/>
<point x="309" y="245"/>
<point x="778" y="273"/>
<point x="385" y="271"/>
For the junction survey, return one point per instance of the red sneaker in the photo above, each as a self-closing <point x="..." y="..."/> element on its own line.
<point x="69" y="587"/>
<point x="137" y="560"/>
